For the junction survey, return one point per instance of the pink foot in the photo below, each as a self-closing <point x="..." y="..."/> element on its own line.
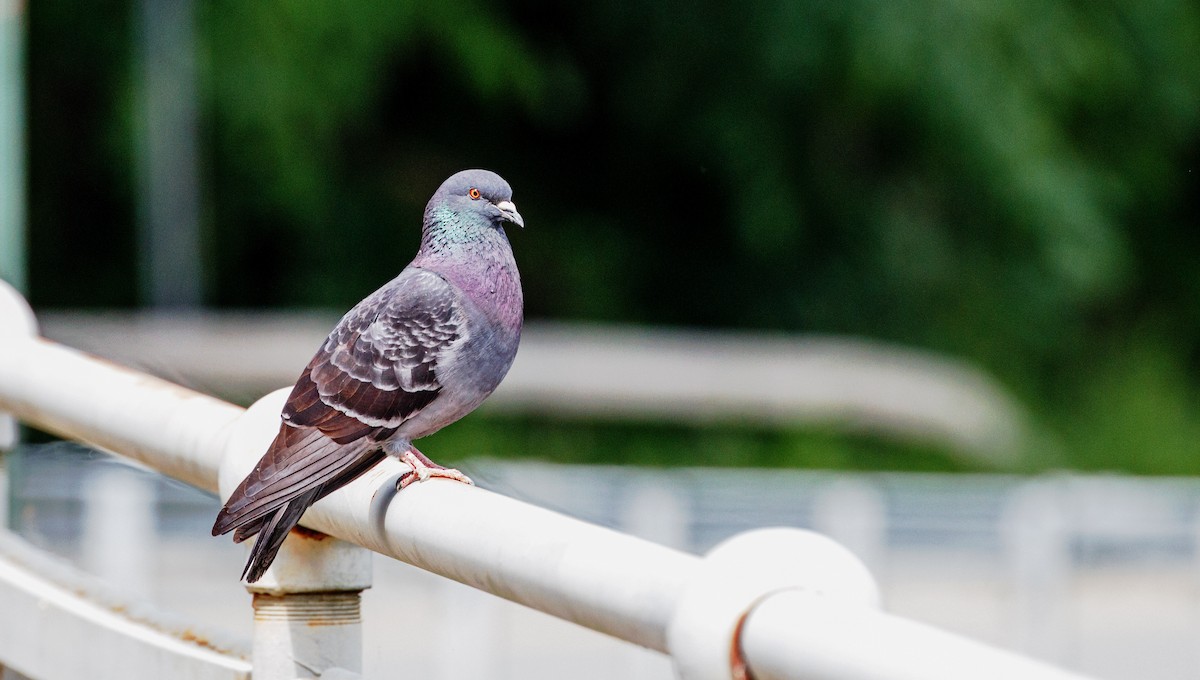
<point x="423" y="469"/>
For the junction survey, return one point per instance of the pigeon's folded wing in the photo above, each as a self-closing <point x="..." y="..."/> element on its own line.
<point x="376" y="369"/>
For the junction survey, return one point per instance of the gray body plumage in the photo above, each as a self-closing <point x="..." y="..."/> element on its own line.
<point x="414" y="356"/>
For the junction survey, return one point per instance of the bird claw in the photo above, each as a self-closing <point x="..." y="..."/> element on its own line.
<point x="423" y="469"/>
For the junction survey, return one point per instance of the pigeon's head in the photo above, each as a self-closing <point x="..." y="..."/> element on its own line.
<point x="476" y="192"/>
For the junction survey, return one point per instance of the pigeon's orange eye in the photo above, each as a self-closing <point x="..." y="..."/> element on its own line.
<point x="473" y="193"/>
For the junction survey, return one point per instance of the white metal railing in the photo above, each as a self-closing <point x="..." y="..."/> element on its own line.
<point x="57" y="623"/>
<point x="789" y="603"/>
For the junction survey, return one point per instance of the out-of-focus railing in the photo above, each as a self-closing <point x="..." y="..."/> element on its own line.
<point x="601" y="371"/>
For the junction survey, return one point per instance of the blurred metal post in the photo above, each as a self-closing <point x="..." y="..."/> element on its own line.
<point x="469" y="638"/>
<point x="1036" y="532"/>
<point x="168" y="185"/>
<point x="854" y="513"/>
<point x="651" y="509"/>
<point x="12" y="143"/>
<point x="16" y="319"/>
<point x="119" y="528"/>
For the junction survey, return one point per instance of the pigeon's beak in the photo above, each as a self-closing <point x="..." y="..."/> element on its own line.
<point x="508" y="210"/>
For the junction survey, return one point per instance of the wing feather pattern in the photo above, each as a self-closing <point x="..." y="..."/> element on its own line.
<point x="377" y="369"/>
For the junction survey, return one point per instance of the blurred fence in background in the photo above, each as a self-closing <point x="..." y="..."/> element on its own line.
<point x="1097" y="573"/>
<point x="620" y="372"/>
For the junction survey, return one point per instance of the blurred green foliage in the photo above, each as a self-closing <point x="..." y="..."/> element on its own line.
<point x="606" y="442"/>
<point x="1012" y="181"/>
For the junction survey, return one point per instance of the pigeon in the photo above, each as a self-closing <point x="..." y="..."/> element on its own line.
<point x="414" y="356"/>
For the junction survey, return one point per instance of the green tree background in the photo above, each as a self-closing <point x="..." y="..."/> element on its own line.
<point x="1013" y="182"/>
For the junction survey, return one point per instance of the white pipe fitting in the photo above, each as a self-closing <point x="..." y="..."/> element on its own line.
<point x="742" y="572"/>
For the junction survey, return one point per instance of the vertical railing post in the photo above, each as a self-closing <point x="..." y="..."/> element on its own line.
<point x="1036" y="532"/>
<point x="307" y="607"/>
<point x="854" y="513"/>
<point x="17" y="324"/>
<point x="119" y="529"/>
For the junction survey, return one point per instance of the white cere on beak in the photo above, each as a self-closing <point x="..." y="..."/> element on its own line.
<point x="509" y="210"/>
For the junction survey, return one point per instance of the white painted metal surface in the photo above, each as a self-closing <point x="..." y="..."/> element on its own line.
<point x="302" y="635"/>
<point x="795" y="589"/>
<point x="743" y="573"/>
<point x="57" y="624"/>
<point x="799" y="634"/>
<point x="308" y="608"/>
<point x="596" y="577"/>
<point x="176" y="431"/>
<point x="16" y="322"/>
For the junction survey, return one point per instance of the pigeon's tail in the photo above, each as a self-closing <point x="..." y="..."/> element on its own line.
<point x="271" y="533"/>
<point x="301" y="467"/>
